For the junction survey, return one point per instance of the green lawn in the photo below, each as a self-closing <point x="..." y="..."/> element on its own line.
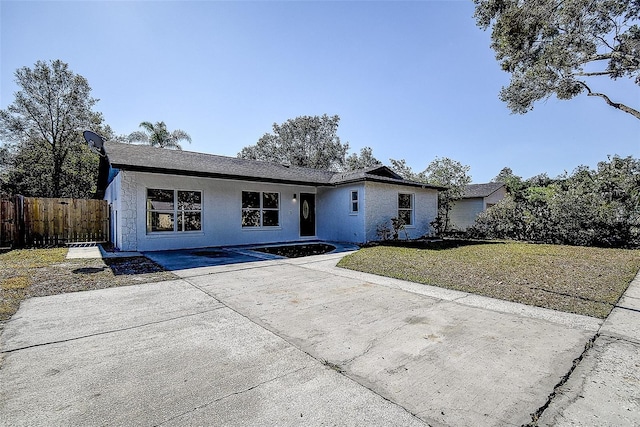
<point x="574" y="279"/>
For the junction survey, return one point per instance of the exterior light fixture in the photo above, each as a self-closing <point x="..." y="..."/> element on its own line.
<point x="295" y="197"/>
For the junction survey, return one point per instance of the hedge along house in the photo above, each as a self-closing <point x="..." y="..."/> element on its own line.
<point x="171" y="199"/>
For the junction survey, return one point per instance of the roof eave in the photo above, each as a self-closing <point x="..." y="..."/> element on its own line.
<point x="202" y="174"/>
<point x="385" y="181"/>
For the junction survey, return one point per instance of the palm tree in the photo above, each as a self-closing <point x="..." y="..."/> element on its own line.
<point x="157" y="135"/>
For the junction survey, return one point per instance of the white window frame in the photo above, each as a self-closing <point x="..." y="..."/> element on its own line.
<point x="261" y="209"/>
<point x="411" y="209"/>
<point x="354" y="202"/>
<point x="176" y="212"/>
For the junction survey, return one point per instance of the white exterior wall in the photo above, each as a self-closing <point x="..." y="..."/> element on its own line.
<point x="495" y="197"/>
<point x="221" y="212"/>
<point x="381" y="201"/>
<point x="121" y="195"/>
<point x="334" y="218"/>
<point x="111" y="195"/>
<point x="464" y="212"/>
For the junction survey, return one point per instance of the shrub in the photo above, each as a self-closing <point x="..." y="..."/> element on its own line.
<point x="588" y="208"/>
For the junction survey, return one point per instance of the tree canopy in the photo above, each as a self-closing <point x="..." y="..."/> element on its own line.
<point x="562" y="46"/>
<point x="308" y="141"/>
<point x="44" y="153"/>
<point x="362" y="161"/>
<point x="157" y="135"/>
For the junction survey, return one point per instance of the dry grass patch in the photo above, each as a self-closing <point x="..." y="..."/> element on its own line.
<point x="580" y="280"/>
<point x="41" y="272"/>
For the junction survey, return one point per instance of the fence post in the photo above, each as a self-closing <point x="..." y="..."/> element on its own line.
<point x="19" y="239"/>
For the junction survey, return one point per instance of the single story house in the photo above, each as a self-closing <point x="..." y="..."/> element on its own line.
<point x="172" y="199"/>
<point x="477" y="198"/>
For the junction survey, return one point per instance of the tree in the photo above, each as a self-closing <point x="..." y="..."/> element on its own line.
<point x="44" y="153"/>
<point x="363" y="161"/>
<point x="5" y="157"/>
<point x="307" y="141"/>
<point x="405" y="171"/>
<point x="454" y="176"/>
<point x="513" y="183"/>
<point x="442" y="172"/>
<point x="157" y="135"/>
<point x="504" y="175"/>
<point x="559" y="47"/>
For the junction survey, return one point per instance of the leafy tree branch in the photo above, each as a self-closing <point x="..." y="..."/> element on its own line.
<point x="617" y="105"/>
<point x="551" y="46"/>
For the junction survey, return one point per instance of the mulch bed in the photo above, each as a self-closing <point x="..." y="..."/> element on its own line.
<point x="298" y="251"/>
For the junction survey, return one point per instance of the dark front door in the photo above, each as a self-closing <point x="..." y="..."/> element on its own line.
<point x="307" y="214"/>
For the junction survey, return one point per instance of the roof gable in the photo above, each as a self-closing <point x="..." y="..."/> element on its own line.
<point x="383" y="171"/>
<point x="481" y="190"/>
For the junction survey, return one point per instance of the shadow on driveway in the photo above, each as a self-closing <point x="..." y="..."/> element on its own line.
<point x="215" y="256"/>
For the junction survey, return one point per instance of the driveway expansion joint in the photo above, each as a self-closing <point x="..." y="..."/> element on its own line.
<point x="619" y="338"/>
<point x="621" y="307"/>
<point x="535" y="416"/>
<point x="371" y="344"/>
<point x="12" y="350"/>
<point x="600" y="334"/>
<point x="337" y="368"/>
<point x="235" y="393"/>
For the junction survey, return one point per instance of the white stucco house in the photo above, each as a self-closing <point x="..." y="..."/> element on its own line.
<point x="477" y="198"/>
<point x="171" y="199"/>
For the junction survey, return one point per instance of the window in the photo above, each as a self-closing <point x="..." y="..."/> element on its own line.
<point x="405" y="208"/>
<point x="173" y="210"/>
<point x="260" y="209"/>
<point x="354" y="201"/>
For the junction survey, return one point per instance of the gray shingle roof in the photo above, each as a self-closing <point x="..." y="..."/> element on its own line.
<point x="152" y="159"/>
<point x="481" y="190"/>
<point x="145" y="158"/>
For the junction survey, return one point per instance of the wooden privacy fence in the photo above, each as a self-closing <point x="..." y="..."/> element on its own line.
<point x="8" y="223"/>
<point x="35" y="221"/>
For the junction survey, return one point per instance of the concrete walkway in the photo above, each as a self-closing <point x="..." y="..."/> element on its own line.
<point x="94" y="251"/>
<point x="604" y="389"/>
<point x="301" y="342"/>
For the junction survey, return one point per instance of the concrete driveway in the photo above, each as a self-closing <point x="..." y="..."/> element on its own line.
<point x="283" y="342"/>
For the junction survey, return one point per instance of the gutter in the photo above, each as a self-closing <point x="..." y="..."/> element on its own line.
<point x="233" y="177"/>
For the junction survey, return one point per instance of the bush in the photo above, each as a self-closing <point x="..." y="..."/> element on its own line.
<point x="588" y="208"/>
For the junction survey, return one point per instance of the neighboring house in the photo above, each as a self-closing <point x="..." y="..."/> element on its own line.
<point x="477" y="198"/>
<point x="172" y="199"/>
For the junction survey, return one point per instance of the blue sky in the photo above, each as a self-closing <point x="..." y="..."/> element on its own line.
<point x="412" y="80"/>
